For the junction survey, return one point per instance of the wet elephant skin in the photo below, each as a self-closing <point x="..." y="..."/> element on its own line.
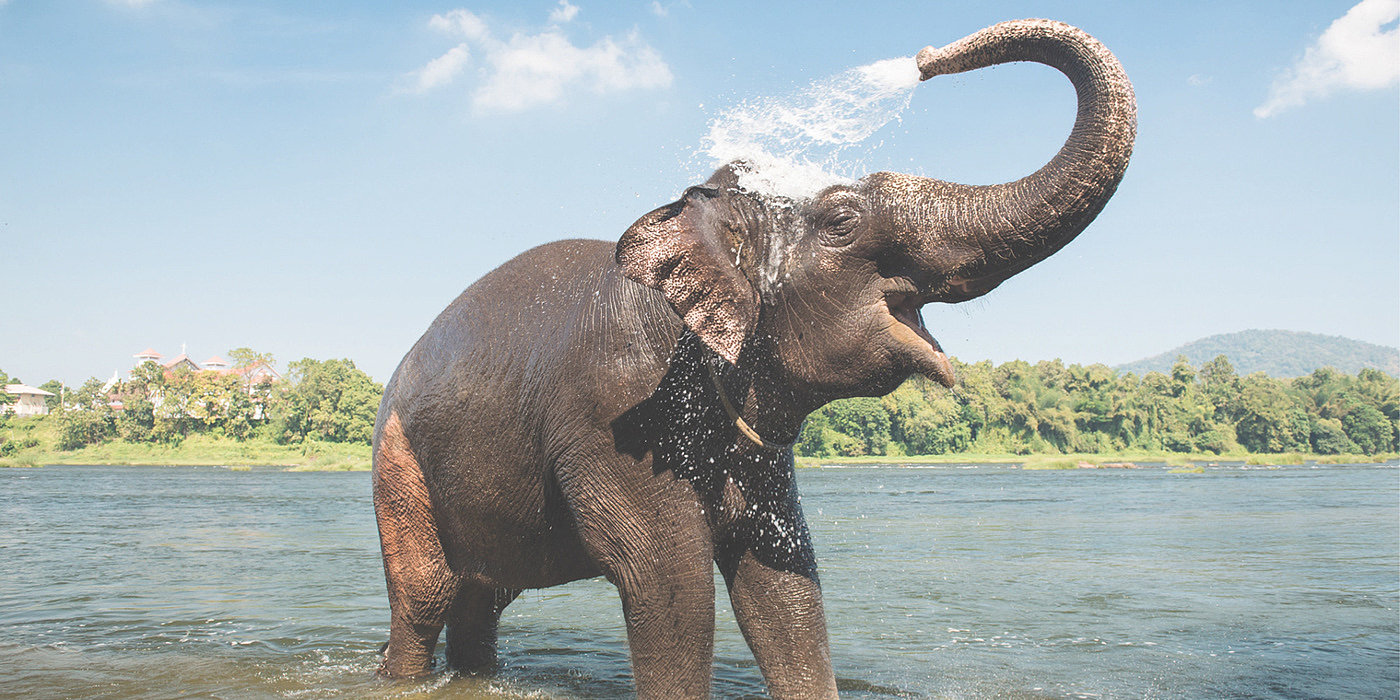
<point x="626" y="409"/>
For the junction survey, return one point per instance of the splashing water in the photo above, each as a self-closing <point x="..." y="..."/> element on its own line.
<point x="791" y="146"/>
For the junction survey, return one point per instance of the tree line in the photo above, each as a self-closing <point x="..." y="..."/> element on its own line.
<point x="1012" y="408"/>
<point x="325" y="400"/>
<point x="1050" y="408"/>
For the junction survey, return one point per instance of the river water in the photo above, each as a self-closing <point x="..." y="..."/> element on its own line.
<point x="958" y="581"/>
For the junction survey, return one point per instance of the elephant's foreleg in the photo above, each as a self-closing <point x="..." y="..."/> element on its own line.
<point x="648" y="536"/>
<point x="471" y="627"/>
<point x="670" y="613"/>
<point x="780" y="614"/>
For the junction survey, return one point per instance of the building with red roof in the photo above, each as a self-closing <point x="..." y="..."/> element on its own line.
<point x="256" y="373"/>
<point x="149" y="354"/>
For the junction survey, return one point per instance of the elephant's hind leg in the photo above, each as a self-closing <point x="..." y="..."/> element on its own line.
<point x="421" y="585"/>
<point x="471" y="627"/>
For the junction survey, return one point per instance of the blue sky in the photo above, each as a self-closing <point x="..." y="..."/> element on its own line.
<point x="321" y="179"/>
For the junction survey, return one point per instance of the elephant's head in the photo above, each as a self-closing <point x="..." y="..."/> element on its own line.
<point x="827" y="291"/>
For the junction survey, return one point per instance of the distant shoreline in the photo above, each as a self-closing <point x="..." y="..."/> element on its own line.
<point x="37" y="439"/>
<point x="1101" y="461"/>
<point x="341" y="457"/>
<point x="196" y="450"/>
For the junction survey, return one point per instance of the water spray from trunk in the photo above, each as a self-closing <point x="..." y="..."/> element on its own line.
<point x="793" y="146"/>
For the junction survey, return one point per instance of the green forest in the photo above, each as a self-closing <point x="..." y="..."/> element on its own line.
<point x="319" y="401"/>
<point x="1015" y="408"/>
<point x="1050" y="408"/>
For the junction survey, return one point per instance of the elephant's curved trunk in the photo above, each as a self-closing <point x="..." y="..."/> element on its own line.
<point x="995" y="231"/>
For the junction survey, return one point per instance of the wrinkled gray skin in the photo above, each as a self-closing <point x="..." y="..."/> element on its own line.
<point x="559" y="421"/>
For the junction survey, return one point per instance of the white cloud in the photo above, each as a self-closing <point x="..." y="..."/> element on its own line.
<point x="461" y="22"/>
<point x="128" y="3"/>
<point x="1197" y="80"/>
<point x="1356" y="52"/>
<point x="529" y="70"/>
<point x="441" y="70"/>
<point x="536" y="70"/>
<point x="564" y="13"/>
<point x="661" y="10"/>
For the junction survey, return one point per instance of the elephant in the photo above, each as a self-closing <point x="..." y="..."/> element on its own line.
<point x="628" y="409"/>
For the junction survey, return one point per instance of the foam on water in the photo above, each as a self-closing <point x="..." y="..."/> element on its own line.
<point x="791" y="145"/>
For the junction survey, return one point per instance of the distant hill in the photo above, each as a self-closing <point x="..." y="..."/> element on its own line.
<point x="1277" y="353"/>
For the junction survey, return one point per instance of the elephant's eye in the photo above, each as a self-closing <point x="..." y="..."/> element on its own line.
<point x="839" y="226"/>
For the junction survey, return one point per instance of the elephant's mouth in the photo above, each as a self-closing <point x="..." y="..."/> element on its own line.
<point x="903" y="306"/>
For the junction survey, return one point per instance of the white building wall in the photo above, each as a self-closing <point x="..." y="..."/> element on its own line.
<point x="29" y="405"/>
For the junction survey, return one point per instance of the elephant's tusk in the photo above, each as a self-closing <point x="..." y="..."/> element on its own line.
<point x="744" y="428"/>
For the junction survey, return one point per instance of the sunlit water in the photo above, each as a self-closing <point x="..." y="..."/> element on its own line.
<point x="964" y="582"/>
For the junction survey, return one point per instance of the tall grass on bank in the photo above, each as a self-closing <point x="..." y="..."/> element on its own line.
<point x="194" y="450"/>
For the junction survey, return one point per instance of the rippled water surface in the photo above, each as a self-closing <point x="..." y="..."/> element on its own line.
<point x="955" y="581"/>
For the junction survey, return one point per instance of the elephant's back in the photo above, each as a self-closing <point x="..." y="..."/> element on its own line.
<point x="498" y="327"/>
<point x="541" y="340"/>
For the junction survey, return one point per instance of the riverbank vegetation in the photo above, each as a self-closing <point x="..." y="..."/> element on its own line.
<point x="1046" y="415"/>
<point x="321" y="416"/>
<point x="37" y="438"/>
<point x="1018" y="409"/>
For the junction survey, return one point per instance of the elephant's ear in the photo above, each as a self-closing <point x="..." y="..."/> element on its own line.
<point x="688" y="250"/>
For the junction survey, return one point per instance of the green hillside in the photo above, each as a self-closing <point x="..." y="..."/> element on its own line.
<point x="1277" y="353"/>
